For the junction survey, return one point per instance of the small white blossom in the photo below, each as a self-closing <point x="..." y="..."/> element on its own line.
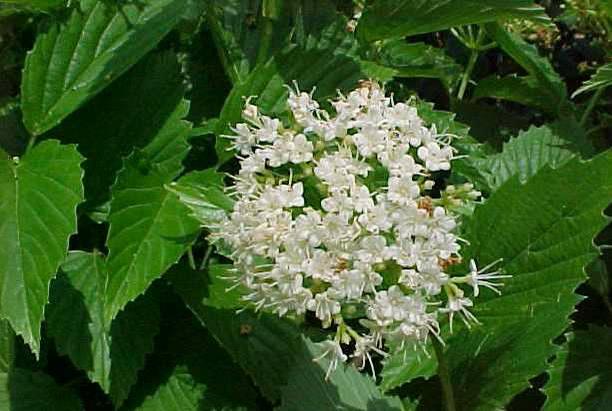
<point x="483" y="278"/>
<point x="333" y="352"/>
<point x="336" y="213"/>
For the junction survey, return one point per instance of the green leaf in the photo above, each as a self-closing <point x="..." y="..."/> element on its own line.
<point x="397" y="18"/>
<point x="268" y="348"/>
<point x="346" y="389"/>
<point x="7" y="352"/>
<point x="42" y="5"/>
<point x="327" y="62"/>
<point x="281" y="363"/>
<point x="599" y="280"/>
<point x="189" y="371"/>
<point x="581" y="374"/>
<point x="35" y="391"/>
<point x="75" y="59"/>
<point x="406" y="365"/>
<point x="214" y="287"/>
<point x="202" y="192"/>
<point x="180" y="392"/>
<point x="131" y="112"/>
<point x="544" y="232"/>
<point x="111" y="355"/>
<point x="419" y="60"/>
<point x="525" y="155"/>
<point x="32" y="5"/>
<point x="239" y="29"/>
<point x="600" y="80"/>
<point x="551" y="87"/>
<point x="149" y="227"/>
<point x="523" y="90"/>
<point x="39" y="194"/>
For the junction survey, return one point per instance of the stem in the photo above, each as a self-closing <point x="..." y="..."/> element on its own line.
<point x="467" y="73"/>
<point x="591" y="106"/>
<point x="31" y="142"/>
<point x="265" y="41"/>
<point x="444" y="375"/>
<point x="192" y="263"/>
<point x="270" y="12"/>
<point x="217" y="34"/>
<point x="206" y="257"/>
<point x="606" y="300"/>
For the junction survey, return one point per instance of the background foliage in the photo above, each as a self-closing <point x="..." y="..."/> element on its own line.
<point x="111" y="162"/>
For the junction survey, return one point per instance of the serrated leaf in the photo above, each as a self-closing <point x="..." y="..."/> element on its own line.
<point x="550" y="85"/>
<point x="525" y="155"/>
<point x="419" y="60"/>
<point x="7" y="351"/>
<point x="544" y="232"/>
<point x="406" y="365"/>
<point x="396" y="18"/>
<point x="149" y="227"/>
<point x="214" y="287"/>
<point x="130" y="113"/>
<point x="523" y="90"/>
<point x="346" y="389"/>
<point x="328" y="62"/>
<point x="189" y="371"/>
<point x="35" y="391"/>
<point x="581" y="374"/>
<point x="34" y="5"/>
<point x="238" y="28"/>
<point x="75" y="59"/>
<point x="264" y="346"/>
<point x="268" y="348"/>
<point x="601" y="79"/>
<point x="599" y="280"/>
<point x="202" y="192"/>
<point x="178" y="393"/>
<point x="39" y="194"/>
<point x="112" y="354"/>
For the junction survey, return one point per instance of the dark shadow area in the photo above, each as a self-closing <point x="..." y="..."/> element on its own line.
<point x="126" y="115"/>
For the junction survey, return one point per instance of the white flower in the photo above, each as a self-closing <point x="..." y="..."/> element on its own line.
<point x="320" y="266"/>
<point x="370" y="140"/>
<point x="372" y="249"/>
<point x="361" y="198"/>
<point x="335" y="213"/>
<point x="324" y="307"/>
<point x="483" y="278"/>
<point x="301" y="151"/>
<point x="333" y="351"/>
<point x="435" y="158"/>
<point x="402" y="190"/>
<point x="457" y="303"/>
<point x="244" y="139"/>
<point x="338" y="202"/>
<point x="268" y="131"/>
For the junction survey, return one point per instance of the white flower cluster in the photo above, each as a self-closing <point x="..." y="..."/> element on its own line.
<point x="335" y="215"/>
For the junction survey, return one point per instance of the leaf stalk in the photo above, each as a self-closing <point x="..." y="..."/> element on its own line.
<point x="444" y="375"/>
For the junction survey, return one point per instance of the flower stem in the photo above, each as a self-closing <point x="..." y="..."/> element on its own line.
<point x="467" y="73"/>
<point x="270" y="12"/>
<point x="590" y="106"/>
<point x="266" y="40"/>
<point x="475" y="44"/>
<point x="444" y="375"/>
<point x="217" y="33"/>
